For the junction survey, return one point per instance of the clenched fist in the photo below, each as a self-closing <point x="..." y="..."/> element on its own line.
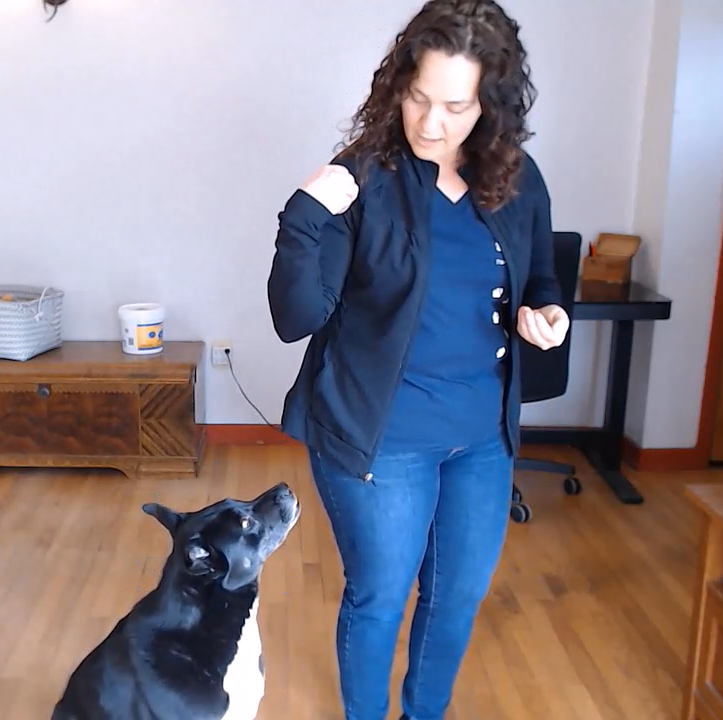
<point x="334" y="187"/>
<point x="546" y="328"/>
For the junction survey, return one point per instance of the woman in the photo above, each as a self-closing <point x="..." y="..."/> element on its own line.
<point x="416" y="261"/>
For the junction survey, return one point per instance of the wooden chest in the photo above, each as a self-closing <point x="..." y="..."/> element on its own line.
<point x="88" y="404"/>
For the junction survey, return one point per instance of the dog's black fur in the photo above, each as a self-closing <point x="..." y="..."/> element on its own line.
<point x="167" y="659"/>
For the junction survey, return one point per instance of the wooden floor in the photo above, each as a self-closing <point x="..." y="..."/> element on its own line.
<point x="587" y="619"/>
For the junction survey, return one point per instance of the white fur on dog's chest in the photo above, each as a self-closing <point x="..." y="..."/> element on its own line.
<point x="244" y="682"/>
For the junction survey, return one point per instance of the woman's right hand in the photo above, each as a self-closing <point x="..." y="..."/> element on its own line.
<point x="334" y="187"/>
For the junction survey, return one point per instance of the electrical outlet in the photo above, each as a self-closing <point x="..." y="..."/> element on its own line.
<point x="221" y="352"/>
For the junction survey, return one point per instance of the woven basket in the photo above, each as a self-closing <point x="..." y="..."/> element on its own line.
<point x="30" y="321"/>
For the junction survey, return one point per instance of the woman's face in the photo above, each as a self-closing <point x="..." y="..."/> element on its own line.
<point x="442" y="106"/>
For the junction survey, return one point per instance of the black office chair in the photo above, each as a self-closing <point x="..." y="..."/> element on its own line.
<point x="544" y="373"/>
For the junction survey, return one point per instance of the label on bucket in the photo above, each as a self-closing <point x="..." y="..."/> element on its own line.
<point x="149" y="336"/>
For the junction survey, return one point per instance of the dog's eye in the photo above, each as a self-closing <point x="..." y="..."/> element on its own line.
<point x="245" y="523"/>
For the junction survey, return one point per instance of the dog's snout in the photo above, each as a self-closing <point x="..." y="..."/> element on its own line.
<point x="286" y="502"/>
<point x="282" y="493"/>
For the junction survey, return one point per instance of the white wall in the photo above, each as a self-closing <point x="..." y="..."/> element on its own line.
<point x="651" y="195"/>
<point x="147" y="148"/>
<point x="680" y="206"/>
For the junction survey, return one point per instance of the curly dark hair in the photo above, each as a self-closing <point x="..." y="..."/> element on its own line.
<point x="482" y="31"/>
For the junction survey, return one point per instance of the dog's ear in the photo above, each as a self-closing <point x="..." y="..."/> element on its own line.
<point x="170" y="519"/>
<point x="199" y="558"/>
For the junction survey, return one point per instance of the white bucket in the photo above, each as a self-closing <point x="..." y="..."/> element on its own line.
<point x="142" y="328"/>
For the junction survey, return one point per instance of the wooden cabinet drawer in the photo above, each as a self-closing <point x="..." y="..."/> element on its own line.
<point x="69" y="419"/>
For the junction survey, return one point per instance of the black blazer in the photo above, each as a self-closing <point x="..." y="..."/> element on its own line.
<point x="355" y="283"/>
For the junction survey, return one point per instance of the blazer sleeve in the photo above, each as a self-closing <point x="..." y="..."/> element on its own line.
<point x="310" y="264"/>
<point x="542" y="287"/>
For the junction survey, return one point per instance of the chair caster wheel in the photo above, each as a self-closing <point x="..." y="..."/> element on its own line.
<point x="520" y="513"/>
<point x="516" y="496"/>
<point x="572" y="486"/>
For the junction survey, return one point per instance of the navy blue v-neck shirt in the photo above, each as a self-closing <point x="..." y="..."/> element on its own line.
<point x="451" y="394"/>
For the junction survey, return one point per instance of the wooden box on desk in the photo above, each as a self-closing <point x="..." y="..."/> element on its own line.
<point x="611" y="258"/>
<point x="88" y="404"/>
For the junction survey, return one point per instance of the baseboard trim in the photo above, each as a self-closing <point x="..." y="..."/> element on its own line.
<point x="247" y="435"/>
<point x="657" y="460"/>
<point x="660" y="460"/>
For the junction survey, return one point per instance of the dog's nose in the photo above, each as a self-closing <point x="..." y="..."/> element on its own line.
<point x="283" y="491"/>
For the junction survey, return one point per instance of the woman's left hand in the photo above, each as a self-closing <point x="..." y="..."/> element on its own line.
<point x="546" y="328"/>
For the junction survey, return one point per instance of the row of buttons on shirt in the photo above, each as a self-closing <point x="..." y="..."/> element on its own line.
<point x="497" y="294"/>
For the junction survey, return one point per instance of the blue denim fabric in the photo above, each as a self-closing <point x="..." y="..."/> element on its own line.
<point x="440" y="516"/>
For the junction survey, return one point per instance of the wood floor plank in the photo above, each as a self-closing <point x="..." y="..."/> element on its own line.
<point x="587" y="617"/>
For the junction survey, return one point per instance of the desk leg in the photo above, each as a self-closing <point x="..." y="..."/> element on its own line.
<point x="607" y="457"/>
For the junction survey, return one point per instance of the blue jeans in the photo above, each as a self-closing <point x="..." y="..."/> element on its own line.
<point x="440" y="517"/>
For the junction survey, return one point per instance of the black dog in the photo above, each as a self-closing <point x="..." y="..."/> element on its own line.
<point x="190" y="649"/>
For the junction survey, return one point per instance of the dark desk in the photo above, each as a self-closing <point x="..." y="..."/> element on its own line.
<point x="603" y="446"/>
